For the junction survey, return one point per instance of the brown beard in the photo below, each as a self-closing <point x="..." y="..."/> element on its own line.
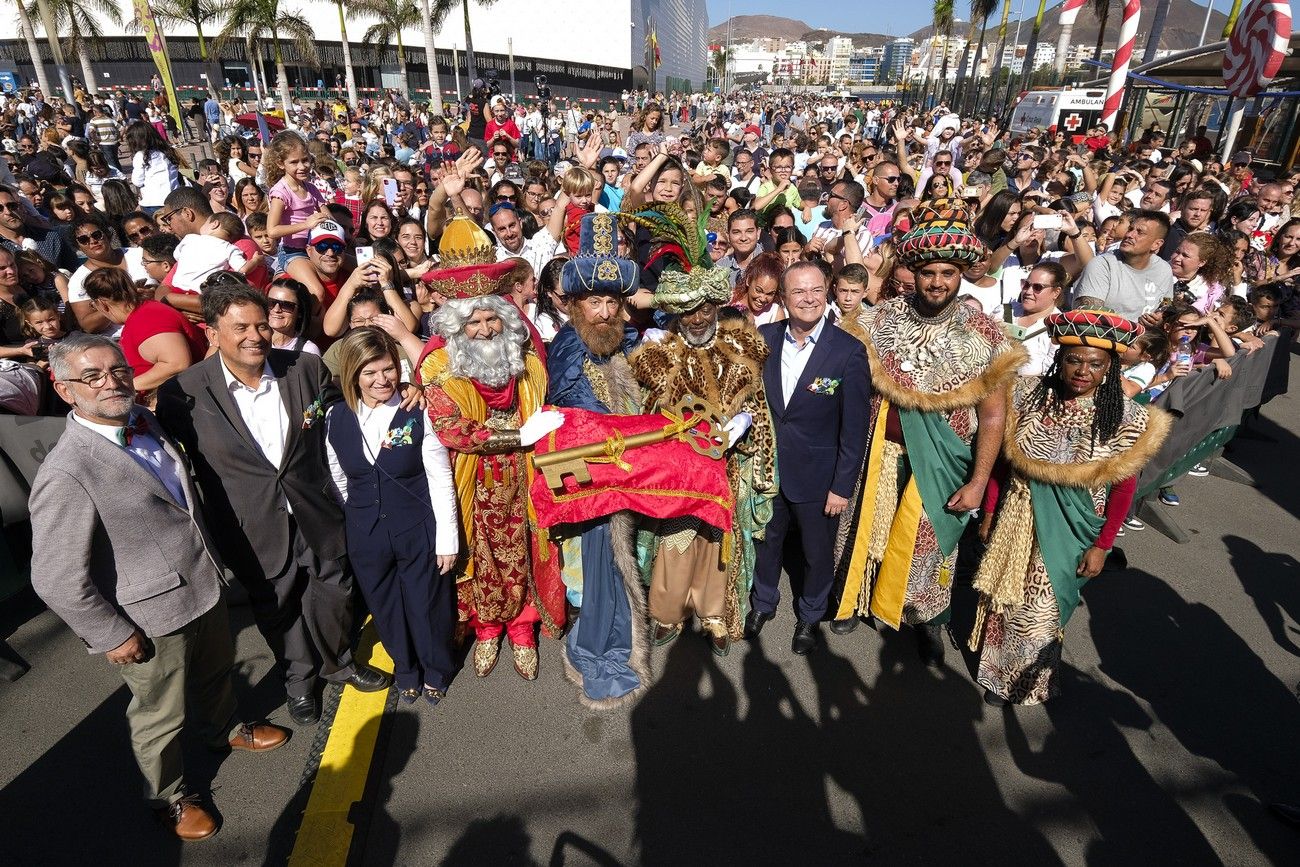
<point x="603" y="339"/>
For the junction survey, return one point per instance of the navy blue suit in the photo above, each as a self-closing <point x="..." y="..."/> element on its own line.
<point x="390" y="535"/>
<point x="821" y="441"/>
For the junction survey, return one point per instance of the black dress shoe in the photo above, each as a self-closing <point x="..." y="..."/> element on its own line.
<point x="367" y="679"/>
<point x="805" y="637"/>
<point x="994" y="700"/>
<point x="305" y="711"/>
<point x="845" y="626"/>
<point x="754" y="621"/>
<point x="929" y="643"/>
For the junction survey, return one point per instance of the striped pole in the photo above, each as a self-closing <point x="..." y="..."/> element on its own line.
<point x="1119" y="67"/>
<point x="1069" y="14"/>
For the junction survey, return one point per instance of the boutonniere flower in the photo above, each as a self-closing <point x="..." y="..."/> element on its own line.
<point x="316" y="410"/>
<point x="398" y="436"/>
<point x="823" y="385"/>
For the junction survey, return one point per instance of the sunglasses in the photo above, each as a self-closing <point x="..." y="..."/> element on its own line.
<point x="288" y="306"/>
<point x="1037" y="287"/>
<point x="97" y="235"/>
<point x="889" y="179"/>
<point x="500" y="206"/>
<point x="325" y="247"/>
<point x="145" y="232"/>
<point x="11" y="207"/>
<point x="254" y="155"/>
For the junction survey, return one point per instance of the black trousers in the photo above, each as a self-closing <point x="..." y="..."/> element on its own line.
<point x="817" y="533"/>
<point x="414" y="606"/>
<point x="305" y="615"/>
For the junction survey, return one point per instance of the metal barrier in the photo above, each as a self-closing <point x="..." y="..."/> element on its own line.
<point x="1207" y="413"/>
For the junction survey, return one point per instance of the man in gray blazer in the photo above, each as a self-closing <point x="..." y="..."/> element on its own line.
<point x="120" y="552"/>
<point x="252" y="420"/>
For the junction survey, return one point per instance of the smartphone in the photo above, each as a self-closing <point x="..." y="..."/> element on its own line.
<point x="390" y="191"/>
<point x="970" y="192"/>
<point x="1047" y="221"/>
<point x="364" y="255"/>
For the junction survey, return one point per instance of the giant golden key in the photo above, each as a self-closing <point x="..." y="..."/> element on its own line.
<point x="692" y="420"/>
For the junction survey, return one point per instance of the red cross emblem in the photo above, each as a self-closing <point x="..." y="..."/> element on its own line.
<point x="1073" y="122"/>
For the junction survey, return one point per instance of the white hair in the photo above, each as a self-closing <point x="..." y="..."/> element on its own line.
<point x="493" y="362"/>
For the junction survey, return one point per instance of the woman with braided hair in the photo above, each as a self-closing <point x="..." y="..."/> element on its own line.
<point x="1071" y="454"/>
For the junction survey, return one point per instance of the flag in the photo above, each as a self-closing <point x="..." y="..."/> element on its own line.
<point x="158" y="48"/>
<point x="262" y="129"/>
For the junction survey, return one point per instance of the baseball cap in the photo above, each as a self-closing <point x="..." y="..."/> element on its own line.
<point x="326" y="230"/>
<point x="1196" y="164"/>
<point x="752" y="128"/>
<point x="1242" y="158"/>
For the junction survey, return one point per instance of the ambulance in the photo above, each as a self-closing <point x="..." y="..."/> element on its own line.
<point x="1071" y="110"/>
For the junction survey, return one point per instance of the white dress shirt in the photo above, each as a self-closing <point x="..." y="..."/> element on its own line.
<point x="148" y="453"/>
<point x="794" y="358"/>
<point x="375" y="423"/>
<point x="537" y="250"/>
<point x="263" y="412"/>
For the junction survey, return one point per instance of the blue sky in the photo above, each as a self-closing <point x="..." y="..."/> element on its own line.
<point x="872" y="17"/>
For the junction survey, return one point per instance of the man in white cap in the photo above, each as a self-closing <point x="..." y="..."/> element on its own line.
<point x="326" y="243"/>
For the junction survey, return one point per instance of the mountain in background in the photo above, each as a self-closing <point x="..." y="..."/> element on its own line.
<point x="1182" y="28"/>
<point x="747" y="27"/>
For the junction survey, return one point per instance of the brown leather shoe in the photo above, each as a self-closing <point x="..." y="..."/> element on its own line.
<point x="259" y="738"/>
<point x="188" y="820"/>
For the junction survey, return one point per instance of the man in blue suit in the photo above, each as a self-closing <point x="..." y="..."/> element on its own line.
<point x="819" y="391"/>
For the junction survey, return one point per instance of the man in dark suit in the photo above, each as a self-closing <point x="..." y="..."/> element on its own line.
<point x="818" y="389"/>
<point x="121" y="553"/>
<point x="252" y="420"/>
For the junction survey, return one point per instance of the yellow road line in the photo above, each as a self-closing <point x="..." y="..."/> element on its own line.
<point x="325" y="834"/>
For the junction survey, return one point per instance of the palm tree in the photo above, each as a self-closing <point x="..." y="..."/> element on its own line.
<point x="42" y="10"/>
<point x="171" y="14"/>
<point x="349" y="74"/>
<point x="980" y="10"/>
<point x="1232" y="18"/>
<point x="1157" y="29"/>
<point x="1002" y="47"/>
<point x="431" y="20"/>
<point x="1031" y="50"/>
<point x="256" y="20"/>
<point x="33" y="49"/>
<point x="943" y="18"/>
<point x="1102" y="8"/>
<point x="719" y="62"/>
<point x="469" y="37"/>
<point x="394" y="17"/>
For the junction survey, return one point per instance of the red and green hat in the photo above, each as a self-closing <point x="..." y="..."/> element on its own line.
<point x="1102" y="329"/>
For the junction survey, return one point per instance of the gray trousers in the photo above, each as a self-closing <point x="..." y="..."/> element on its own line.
<point x="195" y="660"/>
<point x="305" y="615"/>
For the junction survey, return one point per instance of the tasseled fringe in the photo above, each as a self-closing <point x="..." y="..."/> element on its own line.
<point x="882" y="518"/>
<point x="1001" y="576"/>
<point x="977" y="631"/>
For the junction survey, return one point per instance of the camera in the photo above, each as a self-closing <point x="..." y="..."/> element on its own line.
<point x="543" y="93"/>
<point x="493" y="82"/>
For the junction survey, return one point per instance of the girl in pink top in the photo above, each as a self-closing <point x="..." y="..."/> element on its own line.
<point x="295" y="207"/>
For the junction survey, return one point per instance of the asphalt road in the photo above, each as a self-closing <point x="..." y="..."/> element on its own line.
<point x="1177" y="726"/>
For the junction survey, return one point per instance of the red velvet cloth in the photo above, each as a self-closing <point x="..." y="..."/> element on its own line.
<point x="667" y="480"/>
<point x="497" y="398"/>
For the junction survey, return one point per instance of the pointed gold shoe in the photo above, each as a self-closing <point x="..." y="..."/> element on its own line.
<point x="485" y="656"/>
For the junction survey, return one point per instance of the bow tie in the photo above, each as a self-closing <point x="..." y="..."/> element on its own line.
<point x="137" y="426"/>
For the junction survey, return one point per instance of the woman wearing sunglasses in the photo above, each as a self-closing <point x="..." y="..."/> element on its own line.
<point x="94" y="240"/>
<point x="290" y="312"/>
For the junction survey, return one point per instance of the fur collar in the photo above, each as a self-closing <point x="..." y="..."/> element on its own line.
<point x="1001" y="371"/>
<point x="1090" y="474"/>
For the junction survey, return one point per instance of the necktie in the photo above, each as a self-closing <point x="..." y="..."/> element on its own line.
<point x="136" y="427"/>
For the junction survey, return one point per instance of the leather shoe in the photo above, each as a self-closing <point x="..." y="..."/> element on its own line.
<point x="805" y="637"/>
<point x="845" y="626"/>
<point x="188" y="820"/>
<point x="994" y="700"/>
<point x="929" y="643"/>
<point x="305" y="711"/>
<point x="754" y="621"/>
<point x="367" y="679"/>
<point x="259" y="738"/>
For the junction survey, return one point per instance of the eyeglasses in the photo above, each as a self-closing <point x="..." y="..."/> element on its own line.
<point x="828" y="168"/>
<point x="889" y="179"/>
<point x="500" y="153"/>
<point x="11" y="207"/>
<point x="404" y="185"/>
<point x="508" y="197"/>
<point x="141" y="233"/>
<point x="254" y="155"/>
<point x="289" y="306"/>
<point x="97" y="235"/>
<point x="1024" y="156"/>
<point x="165" y="217"/>
<point x="326" y="247"/>
<point x="144" y="261"/>
<point x="98" y="378"/>
<point x="1037" y="287"/>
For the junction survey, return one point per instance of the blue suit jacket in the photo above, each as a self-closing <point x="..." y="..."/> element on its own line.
<point x="821" y="439"/>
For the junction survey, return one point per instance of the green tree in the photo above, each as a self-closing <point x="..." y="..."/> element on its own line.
<point x="943" y="18"/>
<point x="1031" y="50"/>
<point x="439" y="10"/>
<point x="980" y="12"/>
<point x="33" y="48"/>
<point x="171" y="14"/>
<point x="719" y="62"/>
<point x="260" y="20"/>
<point x="80" y="22"/>
<point x="1002" y="50"/>
<point x="1102" y="10"/>
<point x="394" y="17"/>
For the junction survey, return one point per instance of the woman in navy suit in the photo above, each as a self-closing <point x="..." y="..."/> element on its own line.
<point x="394" y="479"/>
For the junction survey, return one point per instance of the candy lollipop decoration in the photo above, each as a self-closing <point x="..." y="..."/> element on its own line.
<point x="1257" y="47"/>
<point x="1119" y="66"/>
<point x="1069" y="14"/>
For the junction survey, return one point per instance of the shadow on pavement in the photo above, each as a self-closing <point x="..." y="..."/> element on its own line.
<point x="713" y="787"/>
<point x="1208" y="687"/>
<point x="1272" y="581"/>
